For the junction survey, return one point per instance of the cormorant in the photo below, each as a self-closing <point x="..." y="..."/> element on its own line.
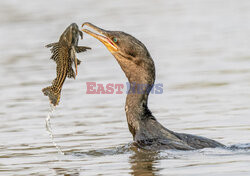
<point x="138" y="66"/>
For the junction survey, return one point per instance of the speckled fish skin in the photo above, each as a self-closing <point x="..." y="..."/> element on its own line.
<point x="64" y="54"/>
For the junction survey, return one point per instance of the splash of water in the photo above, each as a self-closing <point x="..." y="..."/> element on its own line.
<point x="49" y="129"/>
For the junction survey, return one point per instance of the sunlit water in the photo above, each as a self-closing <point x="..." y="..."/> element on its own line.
<point x="201" y="51"/>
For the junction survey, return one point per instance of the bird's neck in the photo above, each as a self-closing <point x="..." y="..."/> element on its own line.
<point x="137" y="105"/>
<point x="141" y="77"/>
<point x="137" y="98"/>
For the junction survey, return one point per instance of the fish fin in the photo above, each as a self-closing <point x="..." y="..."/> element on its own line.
<point x="71" y="73"/>
<point x="81" y="48"/>
<point x="81" y="34"/>
<point x="51" y="44"/>
<point x="55" y="51"/>
<point x="78" y="62"/>
<point x="53" y="97"/>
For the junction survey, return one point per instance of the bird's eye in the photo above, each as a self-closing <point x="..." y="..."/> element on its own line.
<point x="115" y="40"/>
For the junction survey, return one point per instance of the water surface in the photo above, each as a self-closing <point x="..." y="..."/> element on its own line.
<point x="201" y="53"/>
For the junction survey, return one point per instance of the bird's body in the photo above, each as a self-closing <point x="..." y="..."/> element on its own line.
<point x="138" y="66"/>
<point x="64" y="54"/>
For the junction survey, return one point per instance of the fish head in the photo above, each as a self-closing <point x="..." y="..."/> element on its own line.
<point x="71" y="35"/>
<point x="70" y="38"/>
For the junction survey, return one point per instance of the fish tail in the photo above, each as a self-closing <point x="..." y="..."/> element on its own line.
<point x="53" y="96"/>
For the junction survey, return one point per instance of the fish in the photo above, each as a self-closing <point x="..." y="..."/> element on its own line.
<point x="64" y="54"/>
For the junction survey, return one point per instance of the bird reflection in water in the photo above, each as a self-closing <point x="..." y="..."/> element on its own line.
<point x="66" y="171"/>
<point x="143" y="163"/>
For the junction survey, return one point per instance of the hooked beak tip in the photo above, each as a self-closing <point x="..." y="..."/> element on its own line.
<point x="103" y="38"/>
<point x="86" y="23"/>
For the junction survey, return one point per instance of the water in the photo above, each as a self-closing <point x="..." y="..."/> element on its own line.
<point x="201" y="52"/>
<point x="49" y="129"/>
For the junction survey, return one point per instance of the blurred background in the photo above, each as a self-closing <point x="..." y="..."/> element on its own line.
<point x="202" y="57"/>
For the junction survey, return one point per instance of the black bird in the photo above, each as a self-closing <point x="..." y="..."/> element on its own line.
<point x="138" y="66"/>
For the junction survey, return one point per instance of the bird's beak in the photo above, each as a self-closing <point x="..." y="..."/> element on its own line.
<point x="112" y="47"/>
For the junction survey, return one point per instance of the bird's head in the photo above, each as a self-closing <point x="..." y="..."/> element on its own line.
<point x="130" y="53"/>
